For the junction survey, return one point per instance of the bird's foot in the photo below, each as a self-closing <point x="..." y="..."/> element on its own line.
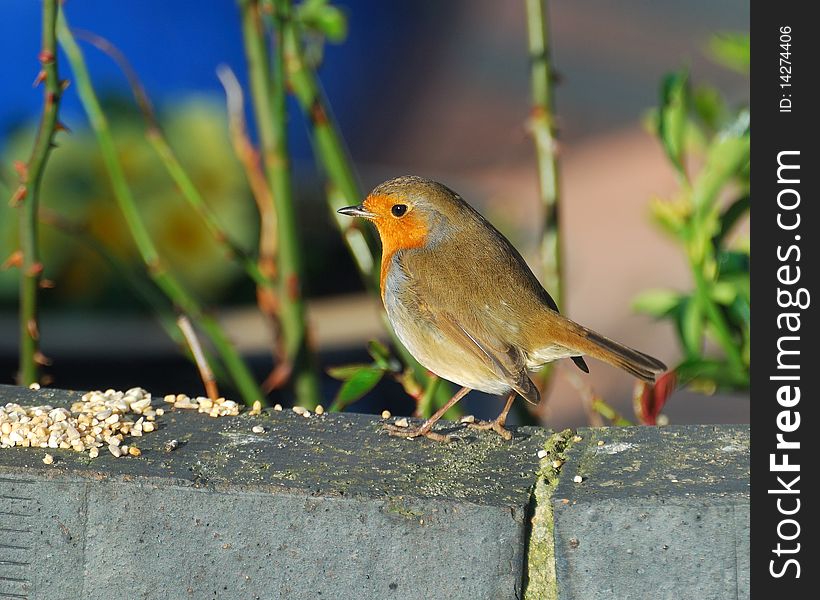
<point x="496" y="425"/>
<point x="413" y="432"/>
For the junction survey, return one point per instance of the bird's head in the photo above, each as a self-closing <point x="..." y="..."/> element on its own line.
<point x="409" y="212"/>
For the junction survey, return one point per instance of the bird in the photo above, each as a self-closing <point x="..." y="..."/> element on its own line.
<point x="464" y="303"/>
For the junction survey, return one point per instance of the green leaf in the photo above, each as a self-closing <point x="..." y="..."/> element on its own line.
<point x="740" y="312"/>
<point x="724" y="292"/>
<point x="381" y="355"/>
<point x="709" y="375"/>
<point x="729" y="218"/>
<point x="671" y="215"/>
<point x="728" y="155"/>
<point x="672" y="116"/>
<point x="345" y="372"/>
<point x="323" y="18"/>
<point x="690" y="327"/>
<point x="356" y="386"/>
<point x="709" y="106"/>
<point x="733" y="262"/>
<point x="657" y="303"/>
<point x="732" y="50"/>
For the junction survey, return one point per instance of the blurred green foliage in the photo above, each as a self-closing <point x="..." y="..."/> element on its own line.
<point x="362" y="377"/>
<point x="707" y="142"/>
<point x="76" y="187"/>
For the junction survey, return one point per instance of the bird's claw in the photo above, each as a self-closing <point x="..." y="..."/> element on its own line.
<point x="413" y="432"/>
<point x="492" y="425"/>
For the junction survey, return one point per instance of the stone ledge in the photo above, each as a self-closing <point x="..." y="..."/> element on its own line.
<point x="326" y="506"/>
<point x="329" y="506"/>
<point x="659" y="513"/>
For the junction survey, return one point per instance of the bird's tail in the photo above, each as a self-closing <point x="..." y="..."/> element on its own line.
<point x="598" y="346"/>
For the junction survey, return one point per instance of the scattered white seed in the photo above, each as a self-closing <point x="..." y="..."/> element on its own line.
<point x="258" y="429"/>
<point x="319" y="410"/>
<point x="577" y="438"/>
<point x="256" y="408"/>
<point x="171" y="445"/>
<point x="542" y="453"/>
<point x="36" y="386"/>
<point x="140" y="405"/>
<point x="386" y="414"/>
<point x="300" y="410"/>
<point x="277" y="407"/>
<point x="556" y="464"/>
<point x="467" y="419"/>
<point x="48" y="459"/>
<point x="403" y="422"/>
<point x="98" y="419"/>
<point x="577" y="479"/>
<point x="601" y="442"/>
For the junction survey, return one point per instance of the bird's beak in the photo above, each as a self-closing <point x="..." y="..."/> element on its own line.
<point x="356" y="211"/>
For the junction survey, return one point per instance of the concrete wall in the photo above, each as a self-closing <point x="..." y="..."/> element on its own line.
<point x="331" y="507"/>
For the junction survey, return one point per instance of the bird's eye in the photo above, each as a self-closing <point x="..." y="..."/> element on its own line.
<point x="398" y="210"/>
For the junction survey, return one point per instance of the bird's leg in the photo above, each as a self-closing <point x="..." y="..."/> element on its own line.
<point x="498" y="424"/>
<point x="426" y="428"/>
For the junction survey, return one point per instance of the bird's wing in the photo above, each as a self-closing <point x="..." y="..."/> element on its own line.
<point x="501" y="358"/>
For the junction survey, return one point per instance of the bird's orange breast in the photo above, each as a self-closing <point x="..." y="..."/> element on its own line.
<point x="409" y="231"/>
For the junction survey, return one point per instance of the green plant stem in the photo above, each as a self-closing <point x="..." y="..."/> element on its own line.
<point x="542" y="124"/>
<point x="28" y="196"/>
<point x="719" y="326"/>
<point x="165" y="280"/>
<point x="542" y="127"/>
<point x="269" y="96"/>
<point x="342" y="188"/>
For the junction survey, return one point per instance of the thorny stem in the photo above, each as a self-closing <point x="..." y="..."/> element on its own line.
<point x="342" y="187"/>
<point x="27" y="196"/>
<point x="269" y="95"/>
<point x="166" y="281"/>
<point x="542" y="127"/>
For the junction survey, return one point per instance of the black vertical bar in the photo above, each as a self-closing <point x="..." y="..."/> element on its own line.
<point x="785" y="170"/>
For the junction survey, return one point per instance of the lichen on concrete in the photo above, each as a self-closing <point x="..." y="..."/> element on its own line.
<point x="540" y="568"/>
<point x="703" y="460"/>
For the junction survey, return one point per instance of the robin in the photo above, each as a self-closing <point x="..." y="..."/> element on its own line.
<point x="466" y="305"/>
